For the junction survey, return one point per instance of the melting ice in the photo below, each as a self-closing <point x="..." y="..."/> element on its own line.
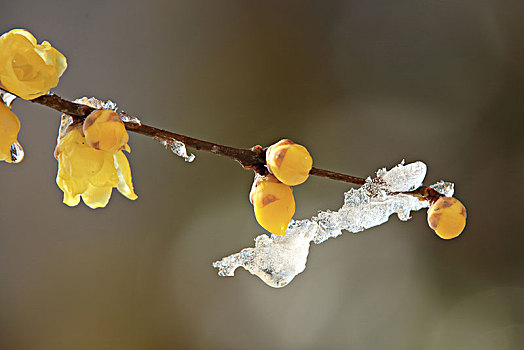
<point x="277" y="260"/>
<point x="179" y="148"/>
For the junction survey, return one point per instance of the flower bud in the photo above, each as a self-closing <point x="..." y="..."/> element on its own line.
<point x="104" y="130"/>
<point x="273" y="203"/>
<point x="289" y="162"/>
<point x="447" y="217"/>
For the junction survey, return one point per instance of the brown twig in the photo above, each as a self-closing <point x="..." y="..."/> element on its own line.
<point x="249" y="158"/>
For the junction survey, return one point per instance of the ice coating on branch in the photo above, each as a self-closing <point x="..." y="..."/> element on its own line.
<point x="277" y="260"/>
<point x="99" y="104"/>
<point x="110" y="105"/>
<point x="129" y="118"/>
<point x="445" y="188"/>
<point x="179" y="148"/>
<point x="94" y="102"/>
<point x="404" y="178"/>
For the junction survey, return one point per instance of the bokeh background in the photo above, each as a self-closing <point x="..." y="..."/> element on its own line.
<point x="364" y="84"/>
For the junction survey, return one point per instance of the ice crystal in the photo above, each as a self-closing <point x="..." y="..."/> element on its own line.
<point x="129" y="118"/>
<point x="7" y="97"/>
<point x="444" y="188"/>
<point x="95" y="103"/>
<point x="277" y="260"/>
<point x="179" y="148"/>
<point x="17" y="153"/>
<point x="110" y="105"/>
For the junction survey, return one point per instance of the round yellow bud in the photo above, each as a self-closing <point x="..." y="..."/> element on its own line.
<point x="447" y="217"/>
<point x="28" y="69"/>
<point x="273" y="202"/>
<point x="289" y="162"/>
<point x="104" y="130"/>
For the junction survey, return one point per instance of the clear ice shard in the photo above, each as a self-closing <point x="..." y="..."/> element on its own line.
<point x="7" y="97"/>
<point x="277" y="260"/>
<point x="17" y="153"/>
<point x="129" y="118"/>
<point x="444" y="188"/>
<point x="179" y="148"/>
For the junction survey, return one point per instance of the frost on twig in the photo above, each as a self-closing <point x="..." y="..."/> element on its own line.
<point x="277" y="260"/>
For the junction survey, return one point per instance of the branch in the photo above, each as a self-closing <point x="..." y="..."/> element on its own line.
<point x="249" y="158"/>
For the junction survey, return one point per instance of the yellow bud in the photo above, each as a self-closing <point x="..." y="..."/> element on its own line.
<point x="9" y="128"/>
<point x="28" y="69"/>
<point x="289" y="162"/>
<point x="447" y="217"/>
<point x="104" y="130"/>
<point x="273" y="203"/>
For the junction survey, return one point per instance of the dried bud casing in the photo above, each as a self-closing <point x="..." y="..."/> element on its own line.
<point x="273" y="203"/>
<point x="447" y="217"/>
<point x="104" y="130"/>
<point x="289" y="162"/>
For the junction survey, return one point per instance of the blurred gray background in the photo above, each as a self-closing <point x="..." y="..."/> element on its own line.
<point x="364" y="84"/>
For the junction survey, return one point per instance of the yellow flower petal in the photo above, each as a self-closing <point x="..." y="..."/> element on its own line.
<point x="125" y="186"/>
<point x="27" y="69"/>
<point x="97" y="197"/>
<point x="71" y="200"/>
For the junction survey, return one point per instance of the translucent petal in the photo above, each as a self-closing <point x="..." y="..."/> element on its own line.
<point x="125" y="184"/>
<point x="97" y="197"/>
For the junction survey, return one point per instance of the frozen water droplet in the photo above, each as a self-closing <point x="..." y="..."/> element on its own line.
<point x="179" y="148"/>
<point x="7" y="97"/>
<point x="17" y="153"/>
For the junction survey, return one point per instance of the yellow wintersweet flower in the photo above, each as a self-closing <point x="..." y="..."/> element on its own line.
<point x="9" y="128"/>
<point x="90" y="173"/>
<point x="28" y="69"/>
